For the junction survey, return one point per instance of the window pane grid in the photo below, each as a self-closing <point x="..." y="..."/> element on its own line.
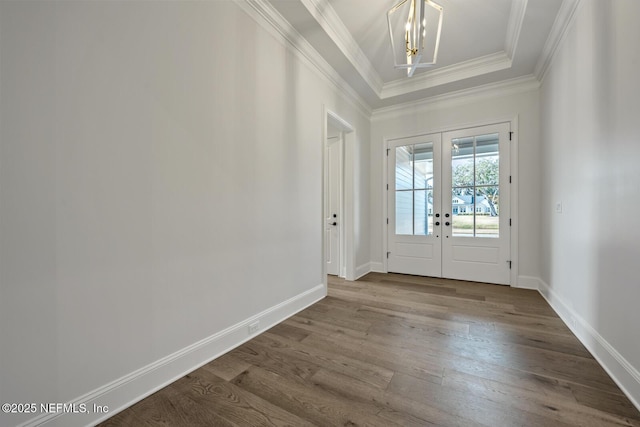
<point x="475" y="189"/>
<point x="414" y="189"/>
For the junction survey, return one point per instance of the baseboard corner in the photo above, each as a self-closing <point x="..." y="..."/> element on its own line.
<point x="528" y="282"/>
<point x="362" y="270"/>
<point x="377" y="267"/>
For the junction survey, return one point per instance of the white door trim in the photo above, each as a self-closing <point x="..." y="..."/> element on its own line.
<point x="331" y="186"/>
<point x="514" y="121"/>
<point x="346" y="210"/>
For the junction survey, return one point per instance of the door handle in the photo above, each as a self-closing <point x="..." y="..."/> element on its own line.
<point x="334" y="223"/>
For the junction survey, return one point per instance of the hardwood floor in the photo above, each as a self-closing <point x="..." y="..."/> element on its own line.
<point x="400" y="350"/>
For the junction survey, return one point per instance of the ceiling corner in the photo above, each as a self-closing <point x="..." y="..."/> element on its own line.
<point x="516" y="18"/>
<point x="333" y="26"/>
<point x="561" y="25"/>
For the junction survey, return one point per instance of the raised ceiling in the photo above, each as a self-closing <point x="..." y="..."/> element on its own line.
<point x="483" y="42"/>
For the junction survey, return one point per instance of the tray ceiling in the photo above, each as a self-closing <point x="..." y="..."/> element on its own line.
<point x="483" y="42"/>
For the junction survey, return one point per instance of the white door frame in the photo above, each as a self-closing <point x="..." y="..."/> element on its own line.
<point x="514" y="121"/>
<point x="346" y="209"/>
<point x="333" y="189"/>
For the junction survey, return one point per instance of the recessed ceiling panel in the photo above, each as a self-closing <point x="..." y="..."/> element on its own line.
<point x="471" y="29"/>
<point x="482" y="42"/>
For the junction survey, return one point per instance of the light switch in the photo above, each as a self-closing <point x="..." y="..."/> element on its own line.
<point x="558" y="207"/>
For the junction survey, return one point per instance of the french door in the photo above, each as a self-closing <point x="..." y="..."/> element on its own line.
<point x="448" y="204"/>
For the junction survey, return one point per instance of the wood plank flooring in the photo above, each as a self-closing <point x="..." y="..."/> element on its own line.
<point x="395" y="350"/>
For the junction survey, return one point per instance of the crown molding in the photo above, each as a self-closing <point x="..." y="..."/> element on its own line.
<point x="563" y="22"/>
<point x="465" y="96"/>
<point x="333" y="26"/>
<point x="514" y="27"/>
<point x="264" y="13"/>
<point x="463" y="70"/>
<point x="269" y="18"/>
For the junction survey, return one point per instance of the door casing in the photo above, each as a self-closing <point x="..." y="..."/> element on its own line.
<point x="348" y="133"/>
<point x="513" y="158"/>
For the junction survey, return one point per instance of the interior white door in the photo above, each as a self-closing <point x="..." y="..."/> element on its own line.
<point x="476" y="175"/>
<point x="414" y="200"/>
<point x="332" y="204"/>
<point x="448" y="205"/>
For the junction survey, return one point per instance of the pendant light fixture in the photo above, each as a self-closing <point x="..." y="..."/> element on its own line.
<point x="417" y="49"/>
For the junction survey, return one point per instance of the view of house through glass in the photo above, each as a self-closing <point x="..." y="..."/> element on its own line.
<point x="475" y="198"/>
<point x="414" y="189"/>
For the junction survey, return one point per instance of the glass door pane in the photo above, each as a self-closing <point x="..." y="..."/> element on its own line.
<point x="414" y="189"/>
<point x="475" y="172"/>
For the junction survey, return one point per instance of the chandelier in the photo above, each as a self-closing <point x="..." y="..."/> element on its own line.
<point x="417" y="49"/>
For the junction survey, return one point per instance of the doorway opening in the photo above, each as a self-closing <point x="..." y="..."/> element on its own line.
<point x="337" y="215"/>
<point x="448" y="201"/>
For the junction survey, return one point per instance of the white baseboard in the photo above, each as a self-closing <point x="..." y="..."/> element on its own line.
<point x="623" y="373"/>
<point x="528" y="282"/>
<point x="362" y="270"/>
<point x="124" y="392"/>
<point x="377" y="267"/>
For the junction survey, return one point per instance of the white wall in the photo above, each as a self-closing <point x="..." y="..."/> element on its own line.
<point x="448" y="114"/>
<point x="160" y="183"/>
<point x="590" y="101"/>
